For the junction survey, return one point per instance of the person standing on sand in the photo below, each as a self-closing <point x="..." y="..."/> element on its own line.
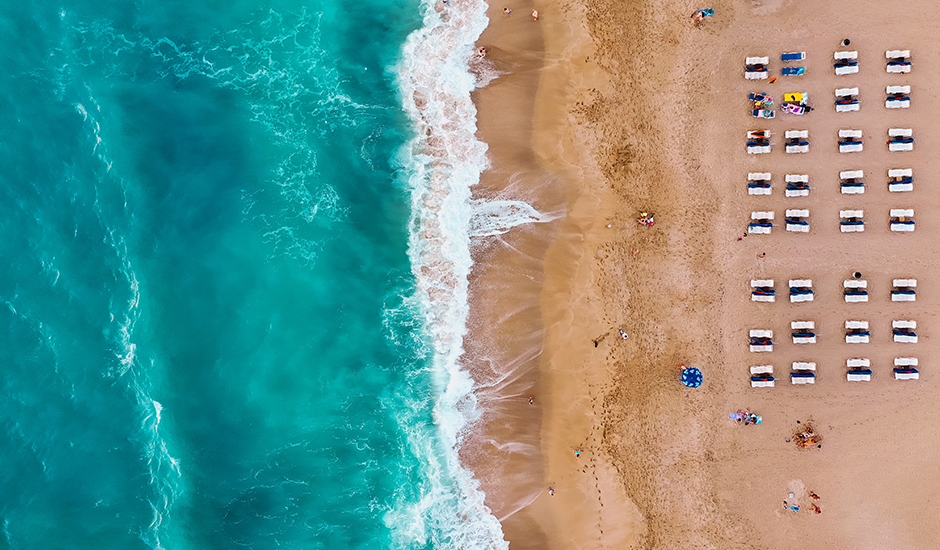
<point x="507" y="11"/>
<point x="535" y="15"/>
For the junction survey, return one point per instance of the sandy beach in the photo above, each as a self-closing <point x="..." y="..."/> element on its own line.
<point x="607" y="109"/>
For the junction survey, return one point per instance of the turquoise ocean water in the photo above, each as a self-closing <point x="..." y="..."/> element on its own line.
<point x="234" y="284"/>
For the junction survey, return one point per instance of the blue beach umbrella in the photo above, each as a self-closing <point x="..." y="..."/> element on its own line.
<point x="691" y="377"/>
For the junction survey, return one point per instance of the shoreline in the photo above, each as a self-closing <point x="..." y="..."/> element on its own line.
<point x="546" y="74"/>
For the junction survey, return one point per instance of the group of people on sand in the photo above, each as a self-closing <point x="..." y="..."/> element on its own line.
<point x="796" y="508"/>
<point x="481" y="51"/>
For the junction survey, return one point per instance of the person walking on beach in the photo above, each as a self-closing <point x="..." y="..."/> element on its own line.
<point x="507" y="11"/>
<point x="535" y="15"/>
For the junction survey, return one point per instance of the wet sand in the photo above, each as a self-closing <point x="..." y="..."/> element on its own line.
<point x="630" y="108"/>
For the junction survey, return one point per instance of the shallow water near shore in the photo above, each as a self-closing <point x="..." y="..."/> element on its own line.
<point x="236" y="287"/>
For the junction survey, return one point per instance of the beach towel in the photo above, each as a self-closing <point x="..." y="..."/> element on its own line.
<point x="707" y="12"/>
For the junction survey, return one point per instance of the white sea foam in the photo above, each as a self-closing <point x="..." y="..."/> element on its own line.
<point x="443" y="161"/>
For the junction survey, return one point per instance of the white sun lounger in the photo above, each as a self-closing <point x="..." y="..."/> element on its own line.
<point x="906" y="183"/>
<point x="850" y="141"/>
<point x="904" y="324"/>
<point x="852" y="187"/>
<point x="762" y="283"/>
<point x="851" y="221"/>
<point x="802" y="378"/>
<point x="799" y="325"/>
<point x="803" y="365"/>
<point x="762" y="369"/>
<point x="904" y="368"/>
<point x="804" y="285"/>
<point x="855" y="291"/>
<point x="851" y="338"/>
<point x="846" y="63"/>
<point x="800" y="145"/>
<point x="903" y="290"/>
<point x="858" y="375"/>
<point x="793" y="219"/>
<point x="758" y="183"/>
<point x="900" y="219"/>
<point x="844" y="94"/>
<point x="759" y="382"/>
<point x="759" y="221"/>
<point x="900" y="133"/>
<point x="858" y="363"/>
<point x="797" y="185"/>
<point x="898" y="61"/>
<point x="756" y="68"/>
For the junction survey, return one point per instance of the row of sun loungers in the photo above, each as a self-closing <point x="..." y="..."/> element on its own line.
<point x="850" y="141"/>
<point x="854" y="290"/>
<point x="845" y="63"/>
<point x="850" y="221"/>
<point x="856" y="332"/>
<point x="858" y="370"/>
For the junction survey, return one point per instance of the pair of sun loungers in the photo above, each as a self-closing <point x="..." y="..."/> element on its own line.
<point x="846" y="63"/>
<point x="850" y="141"/>
<point x="755" y="68"/>
<point x="898" y="97"/>
<point x="846" y="100"/>
<point x="899" y="61"/>
<point x="850" y="182"/>
<point x="900" y="139"/>
<point x="802" y="332"/>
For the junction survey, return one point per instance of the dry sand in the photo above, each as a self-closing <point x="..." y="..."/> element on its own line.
<point x="638" y="110"/>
